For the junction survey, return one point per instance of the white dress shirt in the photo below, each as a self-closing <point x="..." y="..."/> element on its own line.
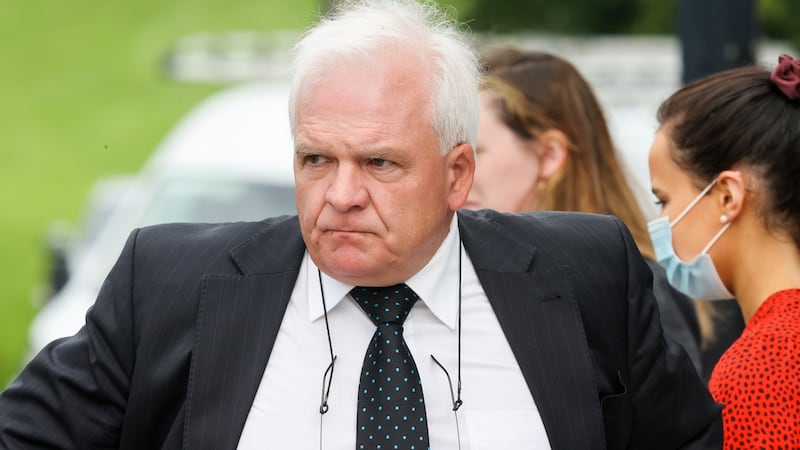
<point x="498" y="410"/>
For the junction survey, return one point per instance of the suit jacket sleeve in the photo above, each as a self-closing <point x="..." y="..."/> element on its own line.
<point x="672" y="407"/>
<point x="73" y="393"/>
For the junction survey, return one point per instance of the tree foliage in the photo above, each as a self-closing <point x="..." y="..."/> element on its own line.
<point x="563" y="16"/>
<point x="777" y="18"/>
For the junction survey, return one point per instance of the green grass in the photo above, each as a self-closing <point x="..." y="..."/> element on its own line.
<point x="81" y="96"/>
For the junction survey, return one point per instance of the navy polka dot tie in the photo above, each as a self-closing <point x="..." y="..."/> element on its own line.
<point x="391" y="409"/>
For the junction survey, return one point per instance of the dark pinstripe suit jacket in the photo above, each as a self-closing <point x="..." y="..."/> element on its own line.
<point x="175" y="347"/>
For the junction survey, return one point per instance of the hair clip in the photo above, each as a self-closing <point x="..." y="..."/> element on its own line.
<point x="786" y="76"/>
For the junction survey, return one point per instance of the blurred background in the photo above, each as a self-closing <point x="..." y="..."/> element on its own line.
<point x="92" y="92"/>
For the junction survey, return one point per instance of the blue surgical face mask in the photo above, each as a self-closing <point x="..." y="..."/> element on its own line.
<point x="697" y="278"/>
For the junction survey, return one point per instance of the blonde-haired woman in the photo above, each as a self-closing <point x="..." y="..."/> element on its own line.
<point x="543" y="144"/>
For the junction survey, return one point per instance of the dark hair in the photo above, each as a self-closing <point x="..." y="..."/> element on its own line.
<point x="739" y="118"/>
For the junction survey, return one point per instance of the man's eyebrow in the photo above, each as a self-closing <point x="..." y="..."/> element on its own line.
<point x="377" y="153"/>
<point x="303" y="149"/>
<point x="368" y="153"/>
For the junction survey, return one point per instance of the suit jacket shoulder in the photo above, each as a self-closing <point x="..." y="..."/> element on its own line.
<point x="574" y="298"/>
<point x="222" y="247"/>
<point x="141" y="373"/>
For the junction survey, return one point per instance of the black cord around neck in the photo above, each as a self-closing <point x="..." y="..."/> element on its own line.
<point x="327" y="378"/>
<point x="328" y="375"/>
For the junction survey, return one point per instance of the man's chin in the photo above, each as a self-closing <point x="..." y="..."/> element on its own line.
<point x="351" y="265"/>
<point x="364" y="276"/>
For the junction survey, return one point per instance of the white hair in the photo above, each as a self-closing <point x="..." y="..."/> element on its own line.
<point x="361" y="29"/>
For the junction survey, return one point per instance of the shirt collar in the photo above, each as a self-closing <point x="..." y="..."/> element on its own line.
<point x="436" y="284"/>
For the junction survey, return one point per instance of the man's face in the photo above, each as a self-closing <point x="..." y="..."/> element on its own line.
<point x="374" y="194"/>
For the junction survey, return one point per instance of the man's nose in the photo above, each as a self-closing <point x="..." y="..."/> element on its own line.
<point x="347" y="189"/>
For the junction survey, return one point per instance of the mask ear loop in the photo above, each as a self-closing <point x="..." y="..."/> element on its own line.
<point x="715" y="238"/>
<point x="692" y="203"/>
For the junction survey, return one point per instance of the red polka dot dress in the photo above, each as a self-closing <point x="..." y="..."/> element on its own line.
<point x="757" y="380"/>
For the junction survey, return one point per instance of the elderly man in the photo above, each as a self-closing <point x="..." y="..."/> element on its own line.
<point x="378" y="317"/>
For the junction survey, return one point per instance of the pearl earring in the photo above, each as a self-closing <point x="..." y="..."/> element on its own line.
<point x="723" y="218"/>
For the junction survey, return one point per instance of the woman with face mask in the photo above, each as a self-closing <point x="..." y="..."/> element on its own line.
<point x="543" y="144"/>
<point x="725" y="166"/>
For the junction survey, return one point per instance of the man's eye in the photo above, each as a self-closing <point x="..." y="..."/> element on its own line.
<point x="380" y="162"/>
<point x="315" y="159"/>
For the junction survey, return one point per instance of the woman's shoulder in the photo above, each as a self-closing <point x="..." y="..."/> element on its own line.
<point x="766" y="354"/>
<point x="779" y="314"/>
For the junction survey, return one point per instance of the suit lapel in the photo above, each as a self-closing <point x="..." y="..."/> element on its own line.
<point x="542" y="322"/>
<point x="237" y="325"/>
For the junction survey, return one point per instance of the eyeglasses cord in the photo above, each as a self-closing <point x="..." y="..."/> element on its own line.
<point x="327" y="377"/>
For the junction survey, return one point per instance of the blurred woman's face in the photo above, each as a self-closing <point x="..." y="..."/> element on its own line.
<point x="507" y="166"/>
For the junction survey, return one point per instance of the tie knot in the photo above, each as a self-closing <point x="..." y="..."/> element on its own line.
<point x="385" y="304"/>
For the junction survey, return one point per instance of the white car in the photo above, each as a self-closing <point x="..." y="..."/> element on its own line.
<point x="229" y="159"/>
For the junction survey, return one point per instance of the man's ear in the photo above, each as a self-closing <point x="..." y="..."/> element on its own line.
<point x="460" y="166"/>
<point x="553" y="152"/>
<point x="731" y="192"/>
